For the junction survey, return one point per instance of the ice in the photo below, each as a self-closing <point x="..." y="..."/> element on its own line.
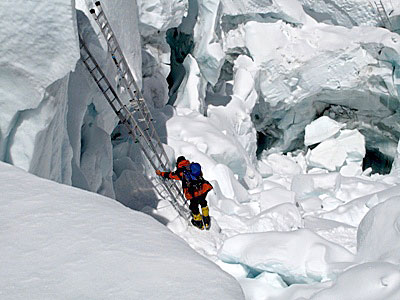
<point x="275" y="196"/>
<point x="283" y="217"/>
<point x="348" y="147"/>
<point x="288" y="10"/>
<point x="311" y="185"/>
<point x="320" y="130"/>
<point x="300" y="77"/>
<point x="215" y="147"/>
<point x="395" y="171"/>
<point x="336" y="232"/>
<point x="282" y="164"/>
<point x="62" y="242"/>
<point x="369" y="281"/>
<point x="156" y="15"/>
<point x="281" y="102"/>
<point x="353" y="211"/>
<point x="229" y="185"/>
<point x="208" y="51"/>
<point x="32" y="59"/>
<point x="329" y="155"/>
<point x="345" y="13"/>
<point x="298" y="256"/>
<point x="189" y="91"/>
<point x="378" y="233"/>
<point x="264" y="286"/>
<point x="96" y="159"/>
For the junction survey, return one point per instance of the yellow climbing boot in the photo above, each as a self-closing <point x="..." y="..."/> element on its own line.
<point x="206" y="217"/>
<point x="197" y="221"/>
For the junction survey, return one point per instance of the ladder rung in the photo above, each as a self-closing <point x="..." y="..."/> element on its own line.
<point x="101" y="13"/>
<point x="86" y="59"/>
<point x="139" y="125"/>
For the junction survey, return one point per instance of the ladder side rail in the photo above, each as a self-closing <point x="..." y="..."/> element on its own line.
<point x="122" y="106"/>
<point x="94" y="62"/>
<point x="145" y="112"/>
<point x="136" y="129"/>
<point x="173" y="184"/>
<point x="170" y="192"/>
<point x="383" y="16"/>
<point x="125" y="69"/>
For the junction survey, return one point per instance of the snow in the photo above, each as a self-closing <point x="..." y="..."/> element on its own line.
<point x="62" y="242"/>
<point x="158" y="15"/>
<point x="372" y="245"/>
<point x="32" y="59"/>
<point x="298" y="256"/>
<point x="208" y="51"/>
<point x="280" y="101"/>
<point x="338" y="148"/>
<point x="321" y="129"/>
<point x="188" y="93"/>
<point x="310" y="68"/>
<point x="282" y="217"/>
<point x="368" y="281"/>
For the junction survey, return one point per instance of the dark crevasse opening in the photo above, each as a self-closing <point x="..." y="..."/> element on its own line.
<point x="180" y="39"/>
<point x="380" y="139"/>
<point x="377" y="161"/>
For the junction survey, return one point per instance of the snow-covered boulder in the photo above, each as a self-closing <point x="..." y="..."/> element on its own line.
<point x="283" y="217"/>
<point x="194" y="136"/>
<point x="282" y="164"/>
<point x="297" y="256"/>
<point x="354" y="211"/>
<point x="271" y="286"/>
<point x="378" y="236"/>
<point x="62" y="242"/>
<point x="369" y="281"/>
<point x="321" y="129"/>
<point x="312" y="185"/>
<point x="272" y="197"/>
<point x="348" y="147"/>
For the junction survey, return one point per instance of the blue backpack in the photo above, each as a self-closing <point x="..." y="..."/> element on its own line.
<point x="193" y="175"/>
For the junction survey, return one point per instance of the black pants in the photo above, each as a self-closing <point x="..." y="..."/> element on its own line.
<point x="194" y="203"/>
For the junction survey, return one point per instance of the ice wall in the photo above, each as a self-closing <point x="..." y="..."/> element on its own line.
<point x="39" y="49"/>
<point x="308" y="68"/>
<point x="54" y="122"/>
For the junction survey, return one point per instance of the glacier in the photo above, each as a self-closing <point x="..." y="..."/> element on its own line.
<point x="291" y="107"/>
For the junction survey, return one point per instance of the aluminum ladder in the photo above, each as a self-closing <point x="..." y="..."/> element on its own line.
<point x="383" y="16"/>
<point x="166" y="189"/>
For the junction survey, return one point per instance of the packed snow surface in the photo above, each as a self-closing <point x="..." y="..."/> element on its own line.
<point x="280" y="101"/>
<point x="65" y="243"/>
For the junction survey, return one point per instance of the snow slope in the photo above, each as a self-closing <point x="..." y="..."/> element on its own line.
<point x="59" y="242"/>
<point x="285" y="226"/>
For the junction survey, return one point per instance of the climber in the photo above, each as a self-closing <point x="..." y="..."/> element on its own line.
<point x="195" y="188"/>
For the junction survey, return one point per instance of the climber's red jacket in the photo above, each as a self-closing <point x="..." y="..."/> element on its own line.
<point x="178" y="175"/>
